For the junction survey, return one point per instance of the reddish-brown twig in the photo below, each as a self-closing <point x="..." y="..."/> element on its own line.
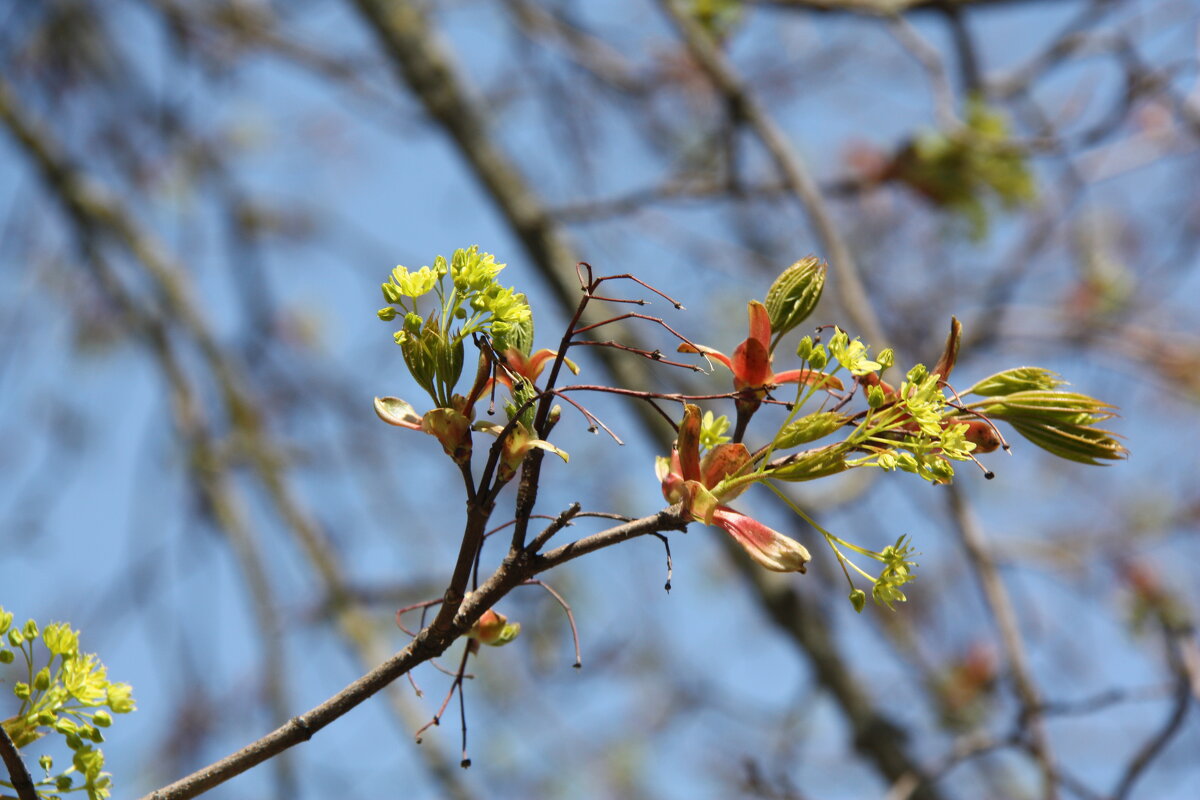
<point x="570" y="616"/>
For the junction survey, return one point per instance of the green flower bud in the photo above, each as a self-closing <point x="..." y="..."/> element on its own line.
<point x="6" y="618"/>
<point x="46" y="762"/>
<point x="102" y="718"/>
<point x="875" y="397"/>
<point x="41" y="681"/>
<point x="858" y="599"/>
<point x="21" y="690"/>
<point x="15" y="637"/>
<point x="387" y="313"/>
<point x="818" y="358"/>
<point x="63" y="782"/>
<point x="794" y="294"/>
<point x="46" y="718"/>
<point x="391" y="292"/>
<point x="73" y="740"/>
<point x="804" y="348"/>
<point x="93" y="733"/>
<point x="30" y="630"/>
<point x="6" y="656"/>
<point x="886" y="357"/>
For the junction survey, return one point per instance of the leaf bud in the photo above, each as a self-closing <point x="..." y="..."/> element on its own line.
<point x="809" y="428"/>
<point x="494" y="629"/>
<point x="795" y="293"/>
<point x="812" y="464"/>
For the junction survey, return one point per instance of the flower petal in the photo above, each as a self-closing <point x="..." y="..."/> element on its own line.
<point x="769" y="548"/>
<point x="760" y="324"/>
<point x="395" y="411"/>
<point x="751" y="365"/>
<point x="705" y="351"/>
<point x="722" y="461"/>
<point x="808" y="376"/>
<point x="688" y="443"/>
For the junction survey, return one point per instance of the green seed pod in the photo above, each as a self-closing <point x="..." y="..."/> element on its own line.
<point x="795" y="293"/>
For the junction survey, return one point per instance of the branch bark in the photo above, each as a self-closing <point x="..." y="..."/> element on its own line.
<point x="429" y="643"/>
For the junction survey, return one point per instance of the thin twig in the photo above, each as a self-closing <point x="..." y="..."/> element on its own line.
<point x="570" y="616"/>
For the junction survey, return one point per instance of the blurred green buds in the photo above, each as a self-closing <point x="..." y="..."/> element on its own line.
<point x="794" y="294"/>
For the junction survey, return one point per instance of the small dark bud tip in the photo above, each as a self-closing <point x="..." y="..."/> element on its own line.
<point x="466" y="762"/>
<point x="989" y="475"/>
